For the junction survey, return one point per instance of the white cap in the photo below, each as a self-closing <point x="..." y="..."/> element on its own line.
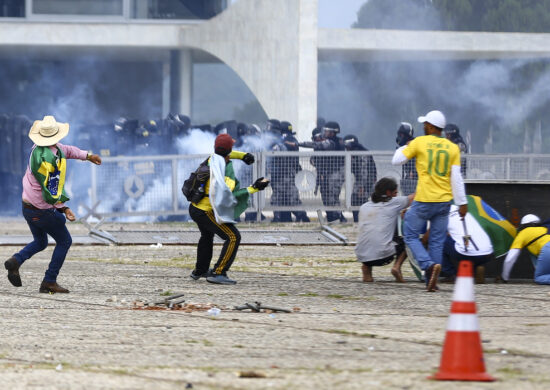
<point x="529" y="218"/>
<point x="435" y="117"/>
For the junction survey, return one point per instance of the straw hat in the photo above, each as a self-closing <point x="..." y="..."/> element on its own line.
<point x="48" y="132"/>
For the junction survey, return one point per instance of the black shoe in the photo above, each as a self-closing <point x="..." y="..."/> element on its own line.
<point x="432" y="273"/>
<point x="220" y="279"/>
<point x="12" y="265"/>
<point x="52" y="287"/>
<point x="193" y="275"/>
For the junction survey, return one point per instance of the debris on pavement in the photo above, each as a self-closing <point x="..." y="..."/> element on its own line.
<point x="259" y="307"/>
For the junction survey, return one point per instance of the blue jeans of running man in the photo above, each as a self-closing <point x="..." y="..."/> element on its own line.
<point x="415" y="221"/>
<point x="42" y="223"/>
<point x="542" y="270"/>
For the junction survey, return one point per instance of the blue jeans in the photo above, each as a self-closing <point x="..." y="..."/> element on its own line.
<point x="42" y="223"/>
<point x="451" y="258"/>
<point x="542" y="270"/>
<point x="415" y="221"/>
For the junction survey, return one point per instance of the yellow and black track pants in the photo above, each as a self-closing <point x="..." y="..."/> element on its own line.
<point x="208" y="226"/>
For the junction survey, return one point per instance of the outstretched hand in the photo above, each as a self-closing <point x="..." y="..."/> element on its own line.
<point x="95" y="159"/>
<point x="261" y="184"/>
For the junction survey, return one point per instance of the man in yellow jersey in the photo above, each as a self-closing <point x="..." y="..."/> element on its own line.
<point x="217" y="211"/>
<point x="439" y="181"/>
<point x="533" y="236"/>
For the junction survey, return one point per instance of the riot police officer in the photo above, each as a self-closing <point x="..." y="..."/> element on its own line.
<point x="288" y="168"/>
<point x="330" y="169"/>
<point x="277" y="170"/>
<point x="452" y="133"/>
<point x="409" y="176"/>
<point x="364" y="172"/>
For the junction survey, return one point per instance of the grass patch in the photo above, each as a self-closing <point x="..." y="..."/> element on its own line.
<point x="309" y="294"/>
<point x="166" y="293"/>
<point x="335" y="296"/>
<point x="282" y="294"/>
<point x="510" y="371"/>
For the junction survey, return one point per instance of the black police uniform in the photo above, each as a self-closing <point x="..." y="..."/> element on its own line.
<point x="364" y="172"/>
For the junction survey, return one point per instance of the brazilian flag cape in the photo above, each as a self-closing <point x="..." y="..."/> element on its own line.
<point x="500" y="231"/>
<point x="49" y="170"/>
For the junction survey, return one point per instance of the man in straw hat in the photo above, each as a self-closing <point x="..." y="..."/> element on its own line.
<point x="44" y="200"/>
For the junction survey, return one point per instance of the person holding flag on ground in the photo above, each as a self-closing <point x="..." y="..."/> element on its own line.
<point x="439" y="181"/>
<point x="533" y="235"/>
<point x="44" y="200"/>
<point x="482" y="235"/>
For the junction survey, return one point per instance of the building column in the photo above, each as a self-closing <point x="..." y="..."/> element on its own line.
<point x="166" y="84"/>
<point x="185" y="82"/>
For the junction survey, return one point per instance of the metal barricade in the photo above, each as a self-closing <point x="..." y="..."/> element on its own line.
<point x="127" y="187"/>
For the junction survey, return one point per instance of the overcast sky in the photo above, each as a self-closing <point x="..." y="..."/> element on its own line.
<point x="338" y="13"/>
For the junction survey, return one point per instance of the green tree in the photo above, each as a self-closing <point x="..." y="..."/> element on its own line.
<point x="398" y="14"/>
<point x="456" y="15"/>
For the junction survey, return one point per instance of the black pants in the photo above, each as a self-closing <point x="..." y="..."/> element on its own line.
<point x="208" y="227"/>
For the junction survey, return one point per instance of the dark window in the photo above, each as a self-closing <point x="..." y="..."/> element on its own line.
<point x="12" y="8"/>
<point x="77" y="7"/>
<point x="177" y="9"/>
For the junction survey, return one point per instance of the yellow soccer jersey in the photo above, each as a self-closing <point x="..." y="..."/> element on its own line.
<point x="434" y="158"/>
<point x="526" y="235"/>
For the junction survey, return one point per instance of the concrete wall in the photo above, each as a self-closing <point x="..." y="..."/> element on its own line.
<point x="372" y="45"/>
<point x="272" y="46"/>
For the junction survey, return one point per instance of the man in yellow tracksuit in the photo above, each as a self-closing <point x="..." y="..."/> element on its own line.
<point x="216" y="213"/>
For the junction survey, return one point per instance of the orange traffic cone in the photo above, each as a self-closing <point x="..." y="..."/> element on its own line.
<point x="462" y="356"/>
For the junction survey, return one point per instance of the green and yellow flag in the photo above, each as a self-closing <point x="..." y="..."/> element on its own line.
<point x="500" y="231"/>
<point x="49" y="170"/>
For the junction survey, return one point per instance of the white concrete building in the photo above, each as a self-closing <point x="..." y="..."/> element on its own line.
<point x="266" y="42"/>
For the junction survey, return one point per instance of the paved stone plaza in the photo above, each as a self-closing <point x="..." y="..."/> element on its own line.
<point x="342" y="334"/>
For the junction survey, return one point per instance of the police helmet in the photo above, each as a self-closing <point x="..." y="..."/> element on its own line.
<point x="316" y="134"/>
<point x="405" y="133"/>
<point x="254" y="129"/>
<point x="350" y="140"/>
<point x="452" y="131"/>
<point x="183" y="119"/>
<point x="220" y="128"/>
<point x="151" y="126"/>
<point x="331" y="127"/>
<point x="273" y="125"/>
<point x="242" y="129"/>
<point x="142" y="132"/>
<point x="286" y="127"/>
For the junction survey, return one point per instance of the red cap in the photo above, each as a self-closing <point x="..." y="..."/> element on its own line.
<point x="223" y="144"/>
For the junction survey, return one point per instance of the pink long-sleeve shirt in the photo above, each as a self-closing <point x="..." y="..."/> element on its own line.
<point x="32" y="192"/>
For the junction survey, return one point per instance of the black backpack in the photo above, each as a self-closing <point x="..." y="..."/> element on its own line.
<point x="194" y="187"/>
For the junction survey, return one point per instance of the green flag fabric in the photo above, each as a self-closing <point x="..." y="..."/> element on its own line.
<point x="500" y="231"/>
<point x="49" y="170"/>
